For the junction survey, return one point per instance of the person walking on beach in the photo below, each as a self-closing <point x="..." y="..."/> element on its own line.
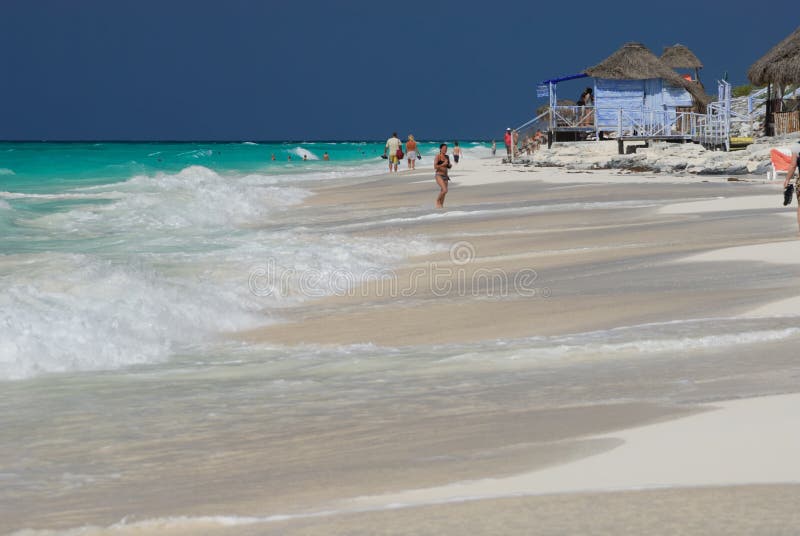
<point x="411" y="152"/>
<point x="507" y="140"/>
<point x="494" y="148"/>
<point x="441" y="164"/>
<point x="795" y="148"/>
<point x="456" y="152"/>
<point x="390" y="151"/>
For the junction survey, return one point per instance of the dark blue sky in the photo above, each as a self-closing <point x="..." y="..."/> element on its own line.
<point x="269" y="70"/>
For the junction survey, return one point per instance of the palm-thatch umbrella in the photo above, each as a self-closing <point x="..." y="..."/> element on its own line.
<point x="635" y="62"/>
<point x="777" y="68"/>
<point x="780" y="66"/>
<point x="680" y="57"/>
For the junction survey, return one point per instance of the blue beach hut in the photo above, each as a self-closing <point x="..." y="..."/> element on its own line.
<point x="637" y="93"/>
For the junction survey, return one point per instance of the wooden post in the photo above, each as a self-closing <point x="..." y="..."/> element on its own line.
<point x="769" y="129"/>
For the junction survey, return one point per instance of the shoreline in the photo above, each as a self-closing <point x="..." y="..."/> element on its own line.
<point x="637" y="315"/>
<point x="496" y="221"/>
<point x="502" y="242"/>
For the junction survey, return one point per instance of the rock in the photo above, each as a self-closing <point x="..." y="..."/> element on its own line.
<point x="659" y="157"/>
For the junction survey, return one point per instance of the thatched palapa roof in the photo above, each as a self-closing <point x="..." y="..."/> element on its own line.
<point x="680" y="57"/>
<point x="781" y="65"/>
<point x="634" y="61"/>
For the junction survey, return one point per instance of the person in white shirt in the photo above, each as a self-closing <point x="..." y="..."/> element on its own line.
<point x="390" y="151"/>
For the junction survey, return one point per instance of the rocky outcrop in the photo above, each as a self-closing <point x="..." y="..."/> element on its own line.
<point x="660" y="157"/>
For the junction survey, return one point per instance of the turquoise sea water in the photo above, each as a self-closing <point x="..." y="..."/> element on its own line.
<point x="127" y="393"/>
<point x="38" y="167"/>
<point x="116" y="254"/>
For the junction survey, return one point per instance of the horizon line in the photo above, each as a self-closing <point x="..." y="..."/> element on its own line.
<point x="377" y="140"/>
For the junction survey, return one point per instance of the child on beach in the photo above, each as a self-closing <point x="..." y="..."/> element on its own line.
<point x="441" y="164"/>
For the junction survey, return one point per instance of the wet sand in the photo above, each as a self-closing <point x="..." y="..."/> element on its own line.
<point x="741" y="510"/>
<point x="608" y="246"/>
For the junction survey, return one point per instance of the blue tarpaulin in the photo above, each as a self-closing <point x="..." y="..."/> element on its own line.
<point x="565" y="78"/>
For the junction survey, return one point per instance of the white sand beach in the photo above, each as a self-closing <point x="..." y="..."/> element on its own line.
<point x="599" y="352"/>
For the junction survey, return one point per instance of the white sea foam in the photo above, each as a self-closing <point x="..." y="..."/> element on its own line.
<point x="21" y="195"/>
<point x="197" y="153"/>
<point x="178" y="524"/>
<point x="68" y="312"/>
<point x="65" y="313"/>
<point x="673" y="345"/>
<point x="164" y="265"/>
<point x="676" y="338"/>
<point x="6" y="171"/>
<point x="194" y="197"/>
<point x="4" y="205"/>
<point x="476" y="150"/>
<point x="301" y="152"/>
<point x="504" y="211"/>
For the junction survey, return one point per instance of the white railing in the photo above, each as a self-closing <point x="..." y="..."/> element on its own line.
<point x="573" y="117"/>
<point x="711" y="129"/>
<point x="527" y="142"/>
<point x="642" y="122"/>
<point x="533" y="122"/>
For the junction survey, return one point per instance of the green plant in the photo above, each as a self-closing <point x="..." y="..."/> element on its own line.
<point x="743" y="91"/>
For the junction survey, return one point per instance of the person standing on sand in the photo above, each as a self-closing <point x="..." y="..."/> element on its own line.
<point x="507" y="141"/>
<point x="441" y="164"/>
<point x="411" y="152"/>
<point x="586" y="99"/>
<point x="515" y="142"/>
<point x="390" y="151"/>
<point x="494" y="148"/>
<point x="538" y="139"/>
<point x="795" y="148"/>
<point x="456" y="152"/>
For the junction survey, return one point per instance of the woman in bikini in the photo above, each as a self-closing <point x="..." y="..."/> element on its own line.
<point x="441" y="164"/>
